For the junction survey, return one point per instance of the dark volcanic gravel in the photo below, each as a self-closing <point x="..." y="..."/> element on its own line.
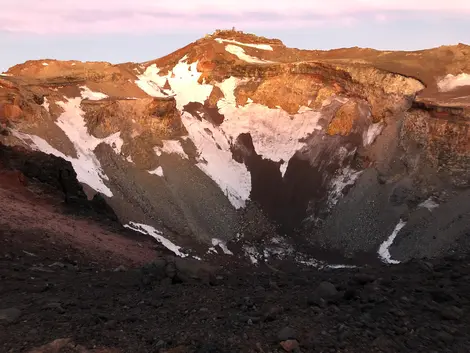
<point x="415" y="307"/>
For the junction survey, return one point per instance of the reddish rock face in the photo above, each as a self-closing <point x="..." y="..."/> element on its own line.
<point x="156" y="116"/>
<point x="6" y="84"/>
<point x="10" y="112"/>
<point x="215" y="96"/>
<point x="205" y="66"/>
<point x="344" y="119"/>
<point x="443" y="134"/>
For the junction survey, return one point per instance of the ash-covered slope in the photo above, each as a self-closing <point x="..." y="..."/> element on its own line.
<point x="279" y="151"/>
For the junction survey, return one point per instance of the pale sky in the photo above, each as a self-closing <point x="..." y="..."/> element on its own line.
<point x="141" y="30"/>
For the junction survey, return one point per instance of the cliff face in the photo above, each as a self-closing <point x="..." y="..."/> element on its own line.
<point x="442" y="135"/>
<point x="239" y="138"/>
<point x="56" y="179"/>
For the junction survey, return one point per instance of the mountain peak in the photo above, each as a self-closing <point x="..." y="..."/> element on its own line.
<point x="242" y="37"/>
<point x="225" y="48"/>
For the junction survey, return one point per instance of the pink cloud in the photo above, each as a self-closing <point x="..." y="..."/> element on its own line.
<point x="140" y="16"/>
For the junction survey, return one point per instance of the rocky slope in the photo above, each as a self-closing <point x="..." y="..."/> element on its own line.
<point x="45" y="210"/>
<point x="236" y="144"/>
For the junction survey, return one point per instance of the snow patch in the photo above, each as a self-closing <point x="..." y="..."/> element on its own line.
<point x="384" y="250"/>
<point x="451" y="82"/>
<point x="240" y="53"/>
<point x="276" y="247"/>
<point x="185" y="84"/>
<point x="252" y="254"/>
<point x="39" y="144"/>
<point x="430" y="204"/>
<point x="461" y="97"/>
<point x="86" y="165"/>
<point x="257" y="46"/>
<point x="344" y="177"/>
<point x="276" y="134"/>
<point x="171" y="147"/>
<point x="183" y="80"/>
<point x="45" y="64"/>
<point x="283" y="168"/>
<point x="89" y="94"/>
<point x="129" y="159"/>
<point x="87" y="169"/>
<point x="114" y="141"/>
<point x="305" y="260"/>
<point x="221" y="244"/>
<point x="150" y="82"/>
<point x="303" y="109"/>
<point x="149" y="230"/>
<point x="372" y="132"/>
<point x="309" y="263"/>
<point x="46" y="104"/>
<point x="228" y="87"/>
<point x="157" y="171"/>
<point x="339" y="267"/>
<point x="151" y="88"/>
<point x="215" y="159"/>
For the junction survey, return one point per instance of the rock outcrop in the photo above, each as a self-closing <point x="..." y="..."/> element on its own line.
<point x="57" y="178"/>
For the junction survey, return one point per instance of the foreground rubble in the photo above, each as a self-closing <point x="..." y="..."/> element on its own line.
<point x="416" y="307"/>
